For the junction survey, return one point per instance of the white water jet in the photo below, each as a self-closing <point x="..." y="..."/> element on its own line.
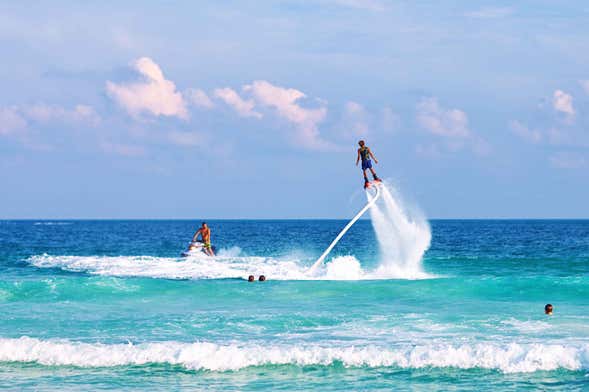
<point x="403" y="236"/>
<point x="371" y="201"/>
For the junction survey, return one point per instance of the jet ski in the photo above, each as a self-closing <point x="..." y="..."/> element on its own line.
<point x="196" y="248"/>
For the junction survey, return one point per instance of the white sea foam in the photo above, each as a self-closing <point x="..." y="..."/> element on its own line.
<point x="528" y="326"/>
<point x="201" y="267"/>
<point x="508" y="358"/>
<point x="234" y="251"/>
<point x="344" y="268"/>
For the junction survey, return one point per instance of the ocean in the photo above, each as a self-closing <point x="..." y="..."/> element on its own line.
<point x="454" y="305"/>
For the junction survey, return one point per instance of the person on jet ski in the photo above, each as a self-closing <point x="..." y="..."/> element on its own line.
<point x="205" y="234"/>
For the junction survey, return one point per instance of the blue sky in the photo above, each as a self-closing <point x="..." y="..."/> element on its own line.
<point x="252" y="109"/>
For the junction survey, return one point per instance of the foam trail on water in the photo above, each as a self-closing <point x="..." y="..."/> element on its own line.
<point x="227" y="265"/>
<point x="509" y="358"/>
<point x="403" y="236"/>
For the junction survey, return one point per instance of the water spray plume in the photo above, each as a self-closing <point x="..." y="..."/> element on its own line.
<point x="403" y="236"/>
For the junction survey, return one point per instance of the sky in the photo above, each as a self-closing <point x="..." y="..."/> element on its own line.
<point x="252" y="109"/>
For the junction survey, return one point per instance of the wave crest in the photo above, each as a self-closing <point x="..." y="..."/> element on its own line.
<point x="509" y="358"/>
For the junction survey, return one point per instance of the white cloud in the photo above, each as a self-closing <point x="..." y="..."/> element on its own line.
<point x="154" y="94"/>
<point x="285" y="102"/>
<point x="11" y="121"/>
<point x="186" y="139"/>
<point x="491" y="12"/>
<point x="199" y="98"/>
<point x="521" y="130"/>
<point x="585" y="85"/>
<point x="567" y="160"/>
<point x="452" y="123"/>
<point x="563" y="102"/>
<point x="49" y="113"/>
<point x="16" y="119"/>
<point x="452" y="126"/>
<point x="244" y="107"/>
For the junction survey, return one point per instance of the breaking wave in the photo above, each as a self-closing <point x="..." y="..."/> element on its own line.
<point x="510" y="358"/>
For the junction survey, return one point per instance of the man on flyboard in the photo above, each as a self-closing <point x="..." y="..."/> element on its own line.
<point x="365" y="154"/>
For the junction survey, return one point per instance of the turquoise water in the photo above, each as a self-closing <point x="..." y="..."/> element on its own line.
<point x="109" y="304"/>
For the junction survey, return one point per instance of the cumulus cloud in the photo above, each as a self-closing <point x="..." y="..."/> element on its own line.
<point x="521" y="130"/>
<point x="568" y="160"/>
<point x="199" y="98"/>
<point x="243" y="107"/>
<point x="285" y="102"/>
<point x="49" y="113"/>
<point x="452" y="123"/>
<point x="15" y="119"/>
<point x="153" y="94"/>
<point x="11" y="121"/>
<point x="563" y="102"/>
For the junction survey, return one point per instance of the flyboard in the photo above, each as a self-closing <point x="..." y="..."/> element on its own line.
<point x="196" y="248"/>
<point x="374" y="184"/>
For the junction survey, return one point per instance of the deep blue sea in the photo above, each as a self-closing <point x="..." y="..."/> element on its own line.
<point x="90" y="305"/>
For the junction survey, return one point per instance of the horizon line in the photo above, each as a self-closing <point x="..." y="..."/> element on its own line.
<point x="274" y="219"/>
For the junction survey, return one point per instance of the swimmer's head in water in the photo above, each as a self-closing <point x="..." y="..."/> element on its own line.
<point x="548" y="309"/>
<point x="262" y="278"/>
<point x="250" y="278"/>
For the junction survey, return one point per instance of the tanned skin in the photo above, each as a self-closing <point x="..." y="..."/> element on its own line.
<point x="205" y="234"/>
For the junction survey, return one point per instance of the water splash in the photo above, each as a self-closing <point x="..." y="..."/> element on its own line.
<point x="225" y="266"/>
<point x="508" y="358"/>
<point x="403" y="236"/>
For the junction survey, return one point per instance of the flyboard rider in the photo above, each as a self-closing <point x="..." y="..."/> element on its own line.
<point x="365" y="154"/>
